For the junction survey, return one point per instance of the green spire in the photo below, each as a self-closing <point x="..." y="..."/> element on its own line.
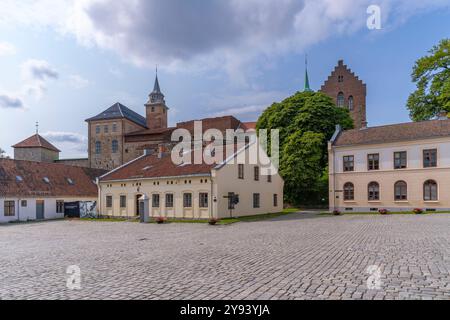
<point x="307" y="87"/>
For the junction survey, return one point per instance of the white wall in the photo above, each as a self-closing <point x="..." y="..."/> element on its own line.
<point x="29" y="212"/>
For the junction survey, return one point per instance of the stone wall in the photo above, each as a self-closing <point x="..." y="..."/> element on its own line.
<point x="35" y="154"/>
<point x="342" y="79"/>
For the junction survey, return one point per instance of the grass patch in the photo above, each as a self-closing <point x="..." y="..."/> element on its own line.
<point x="377" y="213"/>
<point x="107" y="219"/>
<point x="224" y="221"/>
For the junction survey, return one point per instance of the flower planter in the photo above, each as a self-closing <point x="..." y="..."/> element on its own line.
<point x="213" y="222"/>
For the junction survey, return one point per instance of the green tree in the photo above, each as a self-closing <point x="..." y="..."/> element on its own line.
<point x="3" y="154"/>
<point x="306" y="121"/>
<point x="431" y="74"/>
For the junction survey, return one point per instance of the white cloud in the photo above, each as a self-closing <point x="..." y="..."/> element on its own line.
<point x="7" y="49"/>
<point x="247" y="105"/>
<point x="78" y="82"/>
<point x="8" y="102"/>
<point x="235" y="36"/>
<point x="71" y="142"/>
<point x="36" y="74"/>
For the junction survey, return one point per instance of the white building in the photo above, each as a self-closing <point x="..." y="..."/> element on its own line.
<point x="37" y="191"/>
<point x="193" y="191"/>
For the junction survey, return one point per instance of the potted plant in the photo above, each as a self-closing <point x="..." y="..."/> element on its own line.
<point x="336" y="213"/>
<point x="160" y="220"/>
<point x="418" y="211"/>
<point x="213" y="221"/>
<point x="383" y="211"/>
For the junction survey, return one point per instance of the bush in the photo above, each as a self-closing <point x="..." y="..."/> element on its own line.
<point x="383" y="211"/>
<point x="418" y="211"/>
<point x="336" y="212"/>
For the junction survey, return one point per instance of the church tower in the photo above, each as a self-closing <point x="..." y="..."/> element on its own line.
<point x="348" y="91"/>
<point x="156" y="109"/>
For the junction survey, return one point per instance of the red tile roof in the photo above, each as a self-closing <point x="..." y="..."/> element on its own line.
<point x="249" y="125"/>
<point x="26" y="179"/>
<point x="36" y="141"/>
<point x="220" y="123"/>
<point x="153" y="167"/>
<point x="393" y="133"/>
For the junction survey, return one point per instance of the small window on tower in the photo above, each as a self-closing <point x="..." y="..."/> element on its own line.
<point x="153" y="109"/>
<point x="350" y="103"/>
<point x="340" y="78"/>
<point x="340" y="100"/>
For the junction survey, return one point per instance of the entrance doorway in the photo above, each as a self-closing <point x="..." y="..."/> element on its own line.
<point x="40" y="210"/>
<point x="138" y="208"/>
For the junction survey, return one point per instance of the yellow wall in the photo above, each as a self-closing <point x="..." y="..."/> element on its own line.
<point x="414" y="175"/>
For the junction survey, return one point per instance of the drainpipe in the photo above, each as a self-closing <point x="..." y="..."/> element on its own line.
<point x="99" y="206"/>
<point x="18" y="210"/>
<point x="212" y="198"/>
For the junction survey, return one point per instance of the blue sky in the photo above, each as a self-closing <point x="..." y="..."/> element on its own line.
<point x="64" y="65"/>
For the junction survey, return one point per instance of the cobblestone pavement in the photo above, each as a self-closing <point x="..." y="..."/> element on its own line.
<point x="295" y="257"/>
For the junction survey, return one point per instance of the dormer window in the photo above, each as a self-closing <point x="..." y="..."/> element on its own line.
<point x="46" y="180"/>
<point x="19" y="179"/>
<point x="70" y="181"/>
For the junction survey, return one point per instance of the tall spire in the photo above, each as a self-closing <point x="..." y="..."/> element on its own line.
<point x="156" y="88"/>
<point x="156" y="96"/>
<point x="307" y="87"/>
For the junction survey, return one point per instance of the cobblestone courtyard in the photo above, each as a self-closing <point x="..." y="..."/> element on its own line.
<point x="301" y="256"/>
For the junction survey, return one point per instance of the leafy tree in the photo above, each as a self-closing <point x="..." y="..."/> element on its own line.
<point x="306" y="121"/>
<point x="3" y="154"/>
<point x="432" y="77"/>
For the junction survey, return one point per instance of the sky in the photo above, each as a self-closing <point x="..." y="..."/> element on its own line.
<point x="62" y="62"/>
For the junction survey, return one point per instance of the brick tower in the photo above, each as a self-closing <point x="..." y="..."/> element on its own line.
<point x="348" y="91"/>
<point x="156" y="109"/>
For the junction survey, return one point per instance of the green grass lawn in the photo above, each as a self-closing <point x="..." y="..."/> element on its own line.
<point x="225" y="221"/>
<point x="377" y="213"/>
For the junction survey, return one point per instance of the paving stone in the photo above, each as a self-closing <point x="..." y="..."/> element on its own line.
<point x="299" y="256"/>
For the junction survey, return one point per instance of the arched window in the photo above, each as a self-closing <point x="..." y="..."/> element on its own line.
<point x="350" y="103"/>
<point x="340" y="100"/>
<point x="349" y="192"/>
<point x="430" y="191"/>
<point x="98" y="147"/>
<point x="374" y="191"/>
<point x="401" y="191"/>
<point x="115" y="146"/>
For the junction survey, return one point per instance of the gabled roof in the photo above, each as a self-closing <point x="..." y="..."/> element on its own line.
<point x="26" y="179"/>
<point x="394" y="133"/>
<point x="151" y="166"/>
<point x="36" y="141"/>
<point x="119" y="111"/>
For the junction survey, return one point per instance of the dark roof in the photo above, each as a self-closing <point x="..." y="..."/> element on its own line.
<point x="36" y="141"/>
<point x="119" y="111"/>
<point x="396" y="132"/>
<point x="26" y="179"/>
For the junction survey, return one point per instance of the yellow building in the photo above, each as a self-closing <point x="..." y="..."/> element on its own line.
<point x="223" y="189"/>
<point x="396" y="167"/>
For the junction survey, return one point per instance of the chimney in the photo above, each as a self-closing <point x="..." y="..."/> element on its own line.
<point x="443" y="115"/>
<point x="364" y="125"/>
<point x="161" y="150"/>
